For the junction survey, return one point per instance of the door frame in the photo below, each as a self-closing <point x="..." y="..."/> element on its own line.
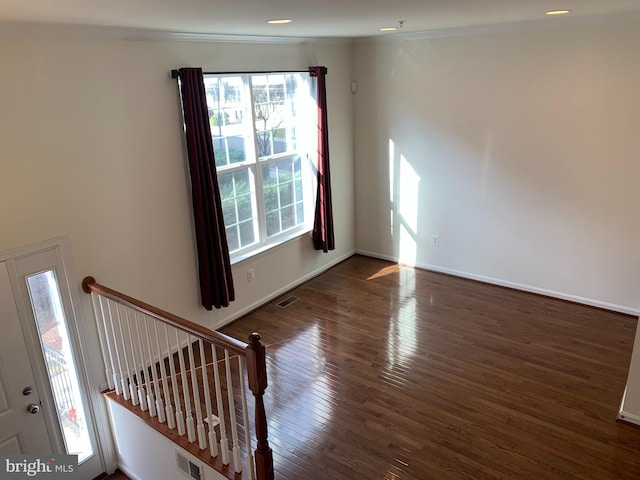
<point x="83" y="337"/>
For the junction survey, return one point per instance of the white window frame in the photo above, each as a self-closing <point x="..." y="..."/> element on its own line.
<point x="253" y="164"/>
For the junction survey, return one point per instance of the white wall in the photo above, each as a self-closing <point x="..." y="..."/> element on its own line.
<point x="92" y="148"/>
<point x="520" y="150"/>
<point x="144" y="453"/>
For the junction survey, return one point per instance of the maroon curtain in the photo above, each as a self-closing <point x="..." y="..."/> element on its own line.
<point x="323" y="238"/>
<point x="214" y="264"/>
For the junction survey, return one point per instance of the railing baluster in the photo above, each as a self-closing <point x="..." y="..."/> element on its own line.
<point x="108" y="371"/>
<point x="224" y="442"/>
<point x="150" y="376"/>
<point x="213" y="441"/>
<point x="129" y="390"/>
<point x="133" y="383"/>
<point x="155" y="375"/>
<point x="142" y="392"/>
<point x="179" y="412"/>
<point x="171" y="419"/>
<point x="118" y="378"/>
<point x="191" y="434"/>
<point x="202" y="439"/>
<point x="113" y="380"/>
<point x="245" y="418"/>
<point x="122" y="353"/>
<point x="168" y="408"/>
<point x="235" y="450"/>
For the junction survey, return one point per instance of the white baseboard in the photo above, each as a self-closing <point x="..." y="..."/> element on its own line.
<point x="280" y="291"/>
<point x="128" y="472"/>
<point x="514" y="285"/>
<point x="629" y="418"/>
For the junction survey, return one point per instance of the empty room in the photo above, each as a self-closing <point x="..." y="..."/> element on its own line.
<point x="341" y="240"/>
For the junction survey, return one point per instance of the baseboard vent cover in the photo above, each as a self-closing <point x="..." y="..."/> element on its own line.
<point x="189" y="468"/>
<point x="287" y="301"/>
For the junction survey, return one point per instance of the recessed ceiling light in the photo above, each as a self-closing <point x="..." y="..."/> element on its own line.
<point x="558" y="12"/>
<point x="388" y="29"/>
<point x="279" y="21"/>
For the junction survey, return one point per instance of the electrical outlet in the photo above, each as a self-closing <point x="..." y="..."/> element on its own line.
<point x="251" y="275"/>
<point x="435" y="240"/>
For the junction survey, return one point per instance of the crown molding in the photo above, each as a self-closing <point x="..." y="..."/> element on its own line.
<point x="99" y="32"/>
<point x="511" y="27"/>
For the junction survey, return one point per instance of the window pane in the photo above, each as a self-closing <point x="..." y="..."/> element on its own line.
<point x="271" y="199"/>
<point x="284" y="167"/>
<point x="279" y="140"/>
<point x="232" y="91"/>
<point x="279" y="194"/>
<point x="229" y="211"/>
<point x="286" y="194"/>
<point x="229" y="129"/>
<point x="238" y="203"/>
<point x="220" y="152"/>
<point x="234" y="184"/>
<point x="273" y="223"/>
<point x="288" y="217"/>
<point x="259" y="91"/>
<point x="237" y="151"/>
<point x="291" y="82"/>
<point x="276" y="92"/>
<point x="245" y="209"/>
<point x="300" y="212"/>
<point x="273" y="113"/>
<point x="232" y="238"/>
<point x="299" y="189"/>
<point x="56" y="346"/>
<point x="247" y="233"/>
<point x="263" y="142"/>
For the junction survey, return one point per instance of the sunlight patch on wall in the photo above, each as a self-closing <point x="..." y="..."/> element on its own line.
<point x="408" y="190"/>
<point x="392" y="182"/>
<point x="404" y="191"/>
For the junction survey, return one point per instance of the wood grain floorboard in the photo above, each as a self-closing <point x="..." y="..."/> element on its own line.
<point x="386" y="372"/>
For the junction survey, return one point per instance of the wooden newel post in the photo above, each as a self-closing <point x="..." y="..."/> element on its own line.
<point x="257" y="373"/>
<point x="86" y="284"/>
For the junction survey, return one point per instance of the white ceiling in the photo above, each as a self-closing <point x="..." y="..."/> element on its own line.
<point x="311" y="18"/>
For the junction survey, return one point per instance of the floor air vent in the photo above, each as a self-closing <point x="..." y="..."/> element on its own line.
<point x="287" y="301"/>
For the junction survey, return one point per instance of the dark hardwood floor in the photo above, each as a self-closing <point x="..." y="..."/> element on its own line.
<point x="386" y="372"/>
<point x="117" y="475"/>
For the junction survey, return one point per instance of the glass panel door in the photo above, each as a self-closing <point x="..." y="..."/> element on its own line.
<point x="60" y="347"/>
<point x="53" y="333"/>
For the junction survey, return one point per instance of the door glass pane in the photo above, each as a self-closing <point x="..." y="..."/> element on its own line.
<point x="56" y="347"/>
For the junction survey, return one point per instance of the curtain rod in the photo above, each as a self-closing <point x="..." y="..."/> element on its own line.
<point x="176" y="73"/>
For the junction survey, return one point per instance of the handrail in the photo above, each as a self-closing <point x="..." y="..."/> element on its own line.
<point x="254" y="353"/>
<point x="89" y="285"/>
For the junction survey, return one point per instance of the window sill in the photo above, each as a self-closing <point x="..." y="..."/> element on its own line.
<point x="281" y="242"/>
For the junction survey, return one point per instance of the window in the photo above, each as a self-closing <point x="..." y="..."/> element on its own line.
<point x="265" y="141"/>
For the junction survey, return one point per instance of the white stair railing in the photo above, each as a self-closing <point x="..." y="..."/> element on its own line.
<point x="138" y="341"/>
